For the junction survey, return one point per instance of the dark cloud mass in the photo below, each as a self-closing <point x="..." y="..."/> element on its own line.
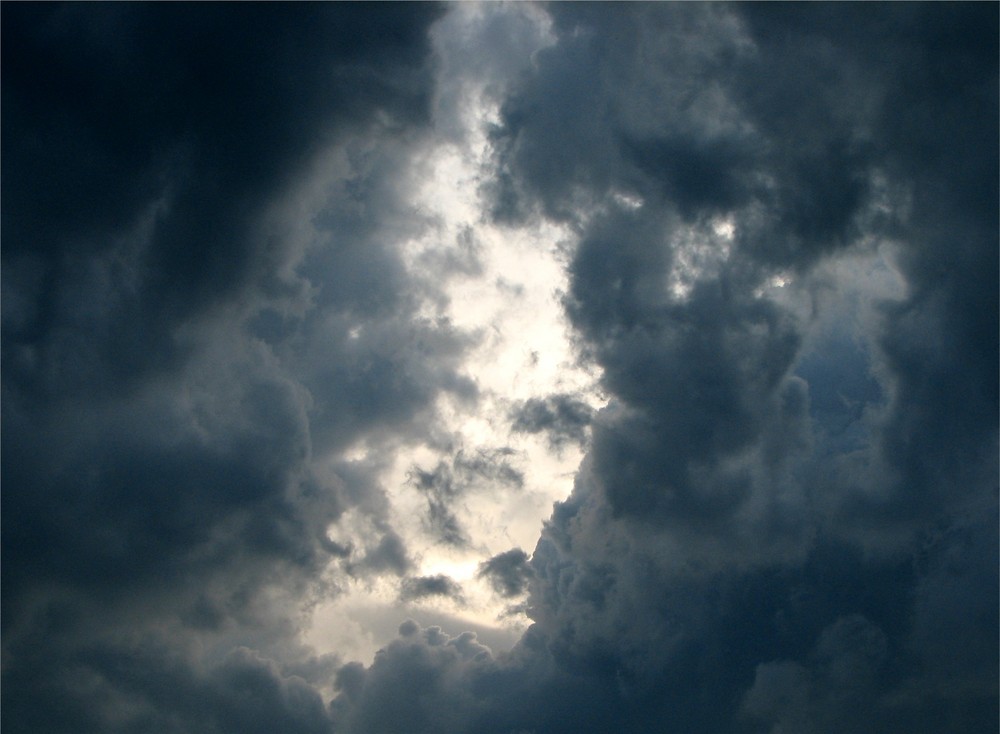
<point x="784" y="265"/>
<point x="175" y="356"/>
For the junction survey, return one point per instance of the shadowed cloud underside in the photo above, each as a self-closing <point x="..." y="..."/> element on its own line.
<point x="500" y="368"/>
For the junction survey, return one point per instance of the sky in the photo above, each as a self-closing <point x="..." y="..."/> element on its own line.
<point x="506" y="368"/>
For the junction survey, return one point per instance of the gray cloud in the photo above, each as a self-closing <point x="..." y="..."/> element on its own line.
<point x="163" y="406"/>
<point x="450" y="481"/>
<point x="779" y="525"/>
<point x="755" y="539"/>
<point x="389" y="555"/>
<point x="405" y="688"/>
<point x="507" y="572"/>
<point x="836" y="693"/>
<point x="419" y="587"/>
<point x="563" y="418"/>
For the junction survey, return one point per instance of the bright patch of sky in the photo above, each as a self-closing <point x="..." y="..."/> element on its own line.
<point x="504" y="287"/>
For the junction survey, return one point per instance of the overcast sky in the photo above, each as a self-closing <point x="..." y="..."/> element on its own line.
<point x="500" y="368"/>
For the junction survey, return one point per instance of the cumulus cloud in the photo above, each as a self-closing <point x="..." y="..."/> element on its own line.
<point x="761" y="481"/>
<point x="175" y="361"/>
<point x="409" y="686"/>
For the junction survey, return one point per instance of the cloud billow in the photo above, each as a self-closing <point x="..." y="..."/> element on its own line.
<point x="782" y="264"/>
<point x="727" y="561"/>
<point x="161" y="416"/>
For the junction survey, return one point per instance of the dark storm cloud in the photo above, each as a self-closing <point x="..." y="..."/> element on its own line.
<point x="189" y="118"/>
<point x="408" y="686"/>
<point x="165" y="281"/>
<point x="775" y="528"/>
<point x="848" y="656"/>
<point x="757" y="538"/>
<point x="142" y="688"/>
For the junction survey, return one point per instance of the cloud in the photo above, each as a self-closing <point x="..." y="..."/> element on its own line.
<point x="389" y="555"/>
<point x="185" y="140"/>
<point x="563" y="418"/>
<point x="781" y="261"/>
<point x="422" y="586"/>
<point x="407" y="685"/>
<point x="508" y="572"/>
<point x="741" y="546"/>
<point x="178" y="367"/>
